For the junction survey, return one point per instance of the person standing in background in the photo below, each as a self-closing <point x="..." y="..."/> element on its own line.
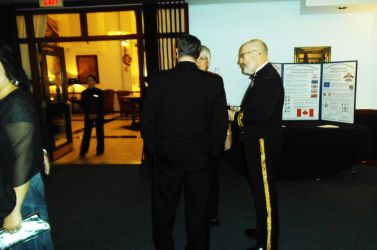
<point x="259" y="125"/>
<point x="183" y="124"/>
<point x="92" y="101"/>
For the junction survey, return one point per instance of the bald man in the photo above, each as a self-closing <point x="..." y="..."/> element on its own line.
<point x="259" y="132"/>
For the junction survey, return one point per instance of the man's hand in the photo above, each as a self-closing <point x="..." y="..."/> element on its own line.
<point x="12" y="223"/>
<point x="228" y="141"/>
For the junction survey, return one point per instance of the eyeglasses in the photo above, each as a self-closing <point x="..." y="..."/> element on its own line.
<point x="242" y="55"/>
<point x="203" y="58"/>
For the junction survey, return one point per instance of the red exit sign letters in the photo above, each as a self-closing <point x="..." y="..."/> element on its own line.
<point x="51" y="3"/>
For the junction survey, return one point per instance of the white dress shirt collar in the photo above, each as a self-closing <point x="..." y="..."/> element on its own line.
<point x="261" y="67"/>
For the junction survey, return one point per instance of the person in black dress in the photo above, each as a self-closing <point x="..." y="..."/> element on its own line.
<point x="21" y="155"/>
<point x="203" y="62"/>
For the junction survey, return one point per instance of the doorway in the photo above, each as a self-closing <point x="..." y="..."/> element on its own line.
<point x="57" y="111"/>
<point x="121" y="39"/>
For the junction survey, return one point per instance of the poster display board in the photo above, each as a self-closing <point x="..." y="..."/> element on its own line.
<point x="322" y="91"/>
<point x="339" y="91"/>
<point x="302" y="91"/>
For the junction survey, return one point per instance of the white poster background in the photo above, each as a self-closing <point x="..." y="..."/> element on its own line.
<point x="302" y="91"/>
<point x="338" y="91"/>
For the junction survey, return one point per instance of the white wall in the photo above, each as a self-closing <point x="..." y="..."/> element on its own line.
<point x="224" y="27"/>
<point x="373" y="72"/>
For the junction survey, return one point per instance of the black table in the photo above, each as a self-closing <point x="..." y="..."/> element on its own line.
<point x="313" y="152"/>
<point x="134" y="101"/>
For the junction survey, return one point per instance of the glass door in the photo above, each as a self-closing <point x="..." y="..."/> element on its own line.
<point x="57" y="109"/>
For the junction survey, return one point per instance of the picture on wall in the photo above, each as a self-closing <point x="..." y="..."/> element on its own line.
<point x="313" y="54"/>
<point x="87" y="65"/>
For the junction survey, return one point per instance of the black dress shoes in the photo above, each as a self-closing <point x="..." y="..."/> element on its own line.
<point x="214" y="222"/>
<point x="251" y="232"/>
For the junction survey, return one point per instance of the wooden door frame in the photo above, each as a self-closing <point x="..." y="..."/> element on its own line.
<point x="67" y="147"/>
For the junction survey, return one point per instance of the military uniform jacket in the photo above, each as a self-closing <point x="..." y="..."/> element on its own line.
<point x="184" y="113"/>
<point x="261" y="108"/>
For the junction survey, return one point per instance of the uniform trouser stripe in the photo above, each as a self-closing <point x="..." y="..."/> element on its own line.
<point x="266" y="191"/>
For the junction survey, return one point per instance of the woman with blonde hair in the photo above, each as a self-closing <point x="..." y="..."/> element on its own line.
<point x="204" y="59"/>
<point x="203" y="62"/>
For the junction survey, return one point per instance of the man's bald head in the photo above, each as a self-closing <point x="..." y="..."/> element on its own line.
<point x="257" y="45"/>
<point x="252" y="54"/>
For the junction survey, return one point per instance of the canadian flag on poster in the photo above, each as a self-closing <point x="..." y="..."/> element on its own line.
<point x="305" y="112"/>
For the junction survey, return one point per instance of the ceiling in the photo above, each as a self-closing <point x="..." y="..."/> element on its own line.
<point x="76" y="2"/>
<point x="307" y="6"/>
<point x="311" y="6"/>
<point x="232" y="1"/>
<point x="337" y="6"/>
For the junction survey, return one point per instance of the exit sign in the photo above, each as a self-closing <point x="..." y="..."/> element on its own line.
<point x="51" y="3"/>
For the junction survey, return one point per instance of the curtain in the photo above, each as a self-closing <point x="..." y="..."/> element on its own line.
<point x="40" y="22"/>
<point x="40" y="25"/>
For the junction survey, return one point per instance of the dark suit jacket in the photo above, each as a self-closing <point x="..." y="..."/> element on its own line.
<point x="184" y="113"/>
<point x="262" y="105"/>
<point x="92" y="101"/>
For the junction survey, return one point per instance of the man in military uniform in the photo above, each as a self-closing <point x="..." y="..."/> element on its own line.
<point x="259" y="132"/>
<point x="183" y="122"/>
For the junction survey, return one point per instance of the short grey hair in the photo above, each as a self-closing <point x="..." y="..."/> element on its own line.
<point x="204" y="51"/>
<point x="188" y="45"/>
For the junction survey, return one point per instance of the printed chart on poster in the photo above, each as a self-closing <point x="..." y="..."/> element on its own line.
<point x="338" y="91"/>
<point x="302" y="91"/>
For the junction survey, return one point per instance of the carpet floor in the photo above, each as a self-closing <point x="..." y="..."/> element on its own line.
<point x="108" y="207"/>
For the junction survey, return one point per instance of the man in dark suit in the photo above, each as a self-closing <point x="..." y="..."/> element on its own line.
<point x="183" y="123"/>
<point x="92" y="101"/>
<point x="259" y="131"/>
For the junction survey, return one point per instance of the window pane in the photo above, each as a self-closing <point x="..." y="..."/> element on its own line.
<point x="111" y="23"/>
<point x="57" y="25"/>
<point x="130" y="59"/>
<point x="25" y="59"/>
<point x="21" y="27"/>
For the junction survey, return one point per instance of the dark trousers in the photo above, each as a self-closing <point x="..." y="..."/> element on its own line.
<point x="146" y="163"/>
<point x="261" y="157"/>
<point x="89" y="124"/>
<point x="170" y="177"/>
<point x="214" y="189"/>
